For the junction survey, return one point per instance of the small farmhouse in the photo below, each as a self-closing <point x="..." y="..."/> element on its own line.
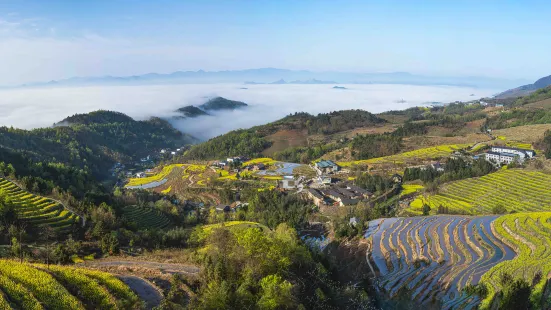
<point x="326" y="166"/>
<point x="288" y="183"/>
<point x="325" y="179"/>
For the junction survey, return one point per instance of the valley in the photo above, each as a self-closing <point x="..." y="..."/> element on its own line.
<point x="443" y="207"/>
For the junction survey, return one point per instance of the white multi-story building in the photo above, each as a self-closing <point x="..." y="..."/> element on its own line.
<point x="507" y="155"/>
<point x="520" y="152"/>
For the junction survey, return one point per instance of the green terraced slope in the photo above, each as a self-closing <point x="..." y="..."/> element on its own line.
<point x="515" y="189"/>
<point x="146" y="217"/>
<point x="530" y="235"/>
<point x="37" y="210"/>
<point x="35" y="286"/>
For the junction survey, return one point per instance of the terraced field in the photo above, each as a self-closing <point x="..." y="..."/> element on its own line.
<point x="515" y="189"/>
<point x="408" y="189"/>
<point x="26" y="286"/>
<point x="530" y="235"/>
<point x="37" y="210"/>
<point x="163" y="174"/>
<point x="435" y="257"/>
<point x="146" y="217"/>
<point x="434" y="152"/>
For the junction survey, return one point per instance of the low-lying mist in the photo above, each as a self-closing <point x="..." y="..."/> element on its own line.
<point x="41" y="107"/>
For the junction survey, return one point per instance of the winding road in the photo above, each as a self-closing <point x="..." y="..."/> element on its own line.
<point x="144" y="289"/>
<point x="166" y="267"/>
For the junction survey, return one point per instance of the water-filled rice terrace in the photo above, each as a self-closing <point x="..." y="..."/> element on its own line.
<point x="435" y="257"/>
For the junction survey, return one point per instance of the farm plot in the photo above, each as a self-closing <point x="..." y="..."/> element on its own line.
<point x="514" y="189"/>
<point x="26" y="286"/>
<point x="434" y="152"/>
<point x="156" y="178"/>
<point x="146" y="217"/>
<point x="435" y="257"/>
<point x="530" y="235"/>
<point x="37" y="210"/>
<point x="408" y="189"/>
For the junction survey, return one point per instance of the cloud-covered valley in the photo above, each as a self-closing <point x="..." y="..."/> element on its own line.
<point x="41" y="107"/>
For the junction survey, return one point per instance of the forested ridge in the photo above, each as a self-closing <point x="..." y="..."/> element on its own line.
<point x="84" y="146"/>
<point x="251" y="142"/>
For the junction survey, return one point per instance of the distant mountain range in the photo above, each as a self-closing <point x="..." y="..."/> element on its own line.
<point x="269" y="75"/>
<point x="282" y="81"/>
<point x="214" y="104"/>
<point x="525" y="89"/>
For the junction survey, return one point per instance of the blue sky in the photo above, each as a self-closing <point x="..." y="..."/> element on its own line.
<point x="43" y="40"/>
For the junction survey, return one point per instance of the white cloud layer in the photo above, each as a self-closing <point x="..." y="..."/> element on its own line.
<point x="41" y="107"/>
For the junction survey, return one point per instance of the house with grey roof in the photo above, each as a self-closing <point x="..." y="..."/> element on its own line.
<point x="326" y="166"/>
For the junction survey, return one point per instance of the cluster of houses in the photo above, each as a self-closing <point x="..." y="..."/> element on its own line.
<point x="338" y="196"/>
<point x="234" y="206"/>
<point x="172" y="152"/>
<point x="507" y="155"/>
<point x="324" y="170"/>
<point x="230" y="160"/>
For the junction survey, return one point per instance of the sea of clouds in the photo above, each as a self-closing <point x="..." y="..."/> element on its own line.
<point x="41" y="107"/>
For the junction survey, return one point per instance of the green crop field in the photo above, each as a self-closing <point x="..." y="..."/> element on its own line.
<point x="35" y="286"/>
<point x="420" y="154"/>
<point x="154" y="178"/>
<point x="514" y="189"/>
<point x="37" y="210"/>
<point x="408" y="189"/>
<point x="530" y="235"/>
<point x="146" y="217"/>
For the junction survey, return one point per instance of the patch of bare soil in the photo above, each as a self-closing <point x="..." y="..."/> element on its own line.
<point x="162" y="267"/>
<point x="283" y="139"/>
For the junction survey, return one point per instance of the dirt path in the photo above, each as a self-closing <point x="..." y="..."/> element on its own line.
<point x="166" y="267"/>
<point x="144" y="289"/>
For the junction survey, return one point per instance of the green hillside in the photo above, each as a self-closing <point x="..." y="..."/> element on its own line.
<point x="252" y="142"/>
<point x="35" y="210"/>
<point x="83" y="147"/>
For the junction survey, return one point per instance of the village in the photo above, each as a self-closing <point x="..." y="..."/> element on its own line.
<point x="325" y="183"/>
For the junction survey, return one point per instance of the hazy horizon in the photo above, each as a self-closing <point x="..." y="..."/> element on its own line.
<point x="52" y="40"/>
<point x="41" y="107"/>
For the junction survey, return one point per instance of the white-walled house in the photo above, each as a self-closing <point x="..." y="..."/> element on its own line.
<point x="507" y="155"/>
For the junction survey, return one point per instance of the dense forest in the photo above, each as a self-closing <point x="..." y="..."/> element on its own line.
<point x="83" y="147"/>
